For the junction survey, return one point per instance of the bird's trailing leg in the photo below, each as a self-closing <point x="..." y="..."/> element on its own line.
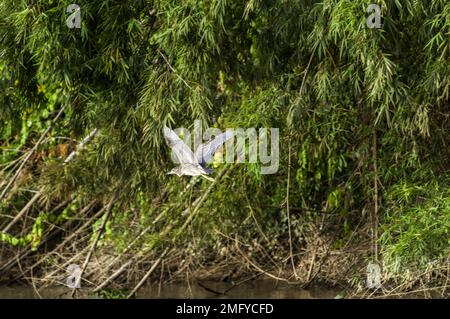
<point x="208" y="178"/>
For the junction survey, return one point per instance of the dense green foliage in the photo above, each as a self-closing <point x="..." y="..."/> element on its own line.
<point x="363" y="115"/>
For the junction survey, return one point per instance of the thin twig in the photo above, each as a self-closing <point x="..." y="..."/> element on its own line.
<point x="173" y="70"/>
<point x="288" y="213"/>
<point x="375" y="200"/>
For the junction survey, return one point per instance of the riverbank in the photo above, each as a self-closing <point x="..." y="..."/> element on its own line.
<point x="128" y="270"/>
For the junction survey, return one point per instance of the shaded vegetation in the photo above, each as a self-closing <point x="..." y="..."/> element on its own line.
<point x="364" y="151"/>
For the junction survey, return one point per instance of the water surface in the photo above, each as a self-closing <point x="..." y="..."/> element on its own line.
<point x="205" y="289"/>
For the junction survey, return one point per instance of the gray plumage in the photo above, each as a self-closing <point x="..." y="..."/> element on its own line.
<point x="194" y="164"/>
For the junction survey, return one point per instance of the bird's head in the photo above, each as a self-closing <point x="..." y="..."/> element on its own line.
<point x="175" y="171"/>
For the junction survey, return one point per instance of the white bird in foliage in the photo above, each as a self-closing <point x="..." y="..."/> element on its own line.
<point x="194" y="164"/>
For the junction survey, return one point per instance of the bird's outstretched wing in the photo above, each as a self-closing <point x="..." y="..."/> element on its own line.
<point x="181" y="150"/>
<point x="206" y="151"/>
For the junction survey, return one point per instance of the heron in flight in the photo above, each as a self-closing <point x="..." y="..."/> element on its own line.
<point x="194" y="163"/>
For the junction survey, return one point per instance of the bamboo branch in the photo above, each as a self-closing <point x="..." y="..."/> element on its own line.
<point x="30" y="153"/>
<point x="375" y="199"/>
<point x="39" y="193"/>
<point x="81" y="146"/>
<point x="23" y="211"/>
<point x="94" y="244"/>
<point x="113" y="276"/>
<point x="144" y="279"/>
<point x="291" y="257"/>
<point x="65" y="241"/>
<point x="198" y="202"/>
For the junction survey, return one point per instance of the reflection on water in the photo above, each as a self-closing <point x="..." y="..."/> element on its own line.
<point x="206" y="289"/>
<point x="255" y="289"/>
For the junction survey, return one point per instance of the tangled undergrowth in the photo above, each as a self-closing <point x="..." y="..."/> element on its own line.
<point x="364" y="157"/>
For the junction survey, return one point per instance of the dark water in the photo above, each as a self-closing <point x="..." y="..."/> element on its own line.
<point x="255" y="289"/>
